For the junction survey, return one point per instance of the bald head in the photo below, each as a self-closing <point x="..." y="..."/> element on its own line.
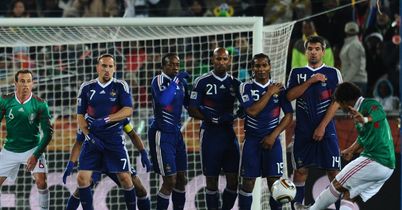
<point x="221" y="61"/>
<point x="220" y="50"/>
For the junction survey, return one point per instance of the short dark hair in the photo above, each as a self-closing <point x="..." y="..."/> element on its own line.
<point x="106" y="55"/>
<point x="166" y="58"/>
<point x="315" y="39"/>
<point x="24" y="71"/>
<point x="258" y="56"/>
<point x="346" y="92"/>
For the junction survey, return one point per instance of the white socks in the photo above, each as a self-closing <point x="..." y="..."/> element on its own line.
<point x="346" y="205"/>
<point x="326" y="198"/>
<point x="43" y="199"/>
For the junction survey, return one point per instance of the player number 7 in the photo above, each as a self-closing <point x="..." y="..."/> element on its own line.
<point x="125" y="162"/>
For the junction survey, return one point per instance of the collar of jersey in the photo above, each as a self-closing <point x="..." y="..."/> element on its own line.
<point x="219" y="78"/>
<point x="358" y="103"/>
<point x="106" y="84"/>
<point x="24" y="101"/>
<point x="261" y="85"/>
<point x="316" y="69"/>
<point x="165" y="75"/>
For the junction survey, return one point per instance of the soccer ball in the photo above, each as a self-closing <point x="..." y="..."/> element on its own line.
<point x="283" y="190"/>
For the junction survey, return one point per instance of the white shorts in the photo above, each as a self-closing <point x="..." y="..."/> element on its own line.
<point x="363" y="177"/>
<point x="10" y="163"/>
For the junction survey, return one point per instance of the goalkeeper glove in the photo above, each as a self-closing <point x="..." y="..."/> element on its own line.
<point x="145" y="161"/>
<point x="95" y="141"/>
<point x="67" y="171"/>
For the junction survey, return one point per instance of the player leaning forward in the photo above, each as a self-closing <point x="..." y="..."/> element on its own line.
<point x="103" y="105"/>
<point x="364" y="176"/>
<point x="24" y="113"/>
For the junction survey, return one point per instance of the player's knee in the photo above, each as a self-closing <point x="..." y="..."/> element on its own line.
<point x="338" y="186"/>
<point x="83" y="181"/>
<point x="169" y="183"/>
<point x="332" y="174"/>
<point x="212" y="183"/>
<point x="41" y="183"/>
<point x="247" y="185"/>
<point x="125" y="180"/>
<point x="300" y="175"/>
<point x="181" y="182"/>
<point x="271" y="180"/>
<point x="140" y="191"/>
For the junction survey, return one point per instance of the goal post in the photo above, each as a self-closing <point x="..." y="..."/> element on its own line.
<point x="62" y="54"/>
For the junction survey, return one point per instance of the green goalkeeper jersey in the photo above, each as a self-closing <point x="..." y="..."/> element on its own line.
<point x="375" y="136"/>
<point x="23" y="122"/>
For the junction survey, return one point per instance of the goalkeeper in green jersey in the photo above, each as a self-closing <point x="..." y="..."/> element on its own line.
<point x="364" y="176"/>
<point x="24" y="113"/>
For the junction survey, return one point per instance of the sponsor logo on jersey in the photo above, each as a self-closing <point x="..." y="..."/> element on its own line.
<point x="32" y="117"/>
<point x="245" y="98"/>
<point x="21" y="109"/>
<point x="222" y="87"/>
<point x="102" y="92"/>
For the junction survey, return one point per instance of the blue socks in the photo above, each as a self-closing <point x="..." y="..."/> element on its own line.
<point x="274" y="204"/>
<point x="212" y="198"/>
<point x="178" y="199"/>
<point x="129" y="197"/>
<point x="245" y="200"/>
<point x="86" y="198"/>
<point x="143" y="203"/>
<point x="228" y="199"/>
<point x="73" y="203"/>
<point x="162" y="201"/>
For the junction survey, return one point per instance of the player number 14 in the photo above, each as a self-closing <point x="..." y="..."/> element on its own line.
<point x="336" y="160"/>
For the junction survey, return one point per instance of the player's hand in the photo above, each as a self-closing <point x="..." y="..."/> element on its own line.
<point x="31" y="163"/>
<point x="67" y="171"/>
<point x="99" y="122"/>
<point x="356" y="116"/>
<point x="145" y="160"/>
<point x="274" y="88"/>
<point x="181" y="76"/>
<point x="318" y="78"/>
<point x="95" y="141"/>
<point x="319" y="133"/>
<point x="347" y="154"/>
<point x="268" y="142"/>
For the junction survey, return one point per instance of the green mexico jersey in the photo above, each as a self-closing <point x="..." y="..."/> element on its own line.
<point x="375" y="136"/>
<point x="23" y="122"/>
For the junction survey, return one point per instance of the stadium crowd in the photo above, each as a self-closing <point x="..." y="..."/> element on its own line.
<point x="359" y="32"/>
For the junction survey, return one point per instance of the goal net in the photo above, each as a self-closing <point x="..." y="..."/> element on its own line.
<point x="62" y="54"/>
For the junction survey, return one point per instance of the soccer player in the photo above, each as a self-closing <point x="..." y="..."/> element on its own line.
<point x="168" y="151"/>
<point x="143" y="202"/>
<point x="365" y="175"/>
<point x="262" y="100"/>
<point x="106" y="102"/>
<point x="25" y="113"/>
<point x="212" y="101"/>
<point x="315" y="141"/>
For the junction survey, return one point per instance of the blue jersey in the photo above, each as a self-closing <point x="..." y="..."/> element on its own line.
<point x="268" y="119"/>
<point x="313" y="104"/>
<point x="98" y="100"/>
<point x="168" y="116"/>
<point x="214" y="95"/>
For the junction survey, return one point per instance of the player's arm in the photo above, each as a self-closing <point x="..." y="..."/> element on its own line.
<point x="320" y="130"/>
<point x="47" y="130"/>
<point x="259" y="105"/>
<point x="298" y="90"/>
<point x="194" y="109"/>
<point x="75" y="151"/>
<point x="136" y="140"/>
<point x="355" y="148"/>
